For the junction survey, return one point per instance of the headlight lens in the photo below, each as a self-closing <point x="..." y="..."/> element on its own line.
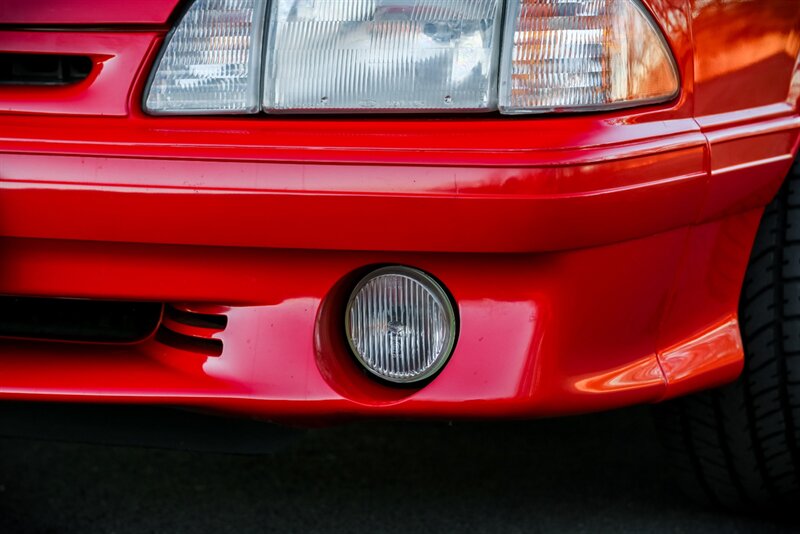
<point x="570" y="55"/>
<point x="386" y="55"/>
<point x="211" y="62"/>
<point x="400" y="324"/>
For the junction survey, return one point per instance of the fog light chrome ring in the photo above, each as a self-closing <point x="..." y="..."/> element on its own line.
<point x="400" y="324"/>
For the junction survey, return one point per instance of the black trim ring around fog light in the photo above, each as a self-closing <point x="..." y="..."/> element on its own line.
<point x="414" y="306"/>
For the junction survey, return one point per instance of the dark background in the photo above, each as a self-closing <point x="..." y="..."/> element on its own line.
<point x="598" y="473"/>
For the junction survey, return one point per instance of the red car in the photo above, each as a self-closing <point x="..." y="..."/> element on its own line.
<point x="305" y="210"/>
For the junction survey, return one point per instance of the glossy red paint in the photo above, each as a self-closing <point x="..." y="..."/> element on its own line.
<point x="38" y="13"/>
<point x="746" y="51"/>
<point x="596" y="260"/>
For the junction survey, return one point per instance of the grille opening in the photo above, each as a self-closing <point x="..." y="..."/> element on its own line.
<point x="43" y="69"/>
<point x="89" y="321"/>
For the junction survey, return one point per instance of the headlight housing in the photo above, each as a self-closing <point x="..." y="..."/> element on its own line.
<point x="345" y="56"/>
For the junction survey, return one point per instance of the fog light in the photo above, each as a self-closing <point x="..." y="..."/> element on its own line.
<point x="400" y="324"/>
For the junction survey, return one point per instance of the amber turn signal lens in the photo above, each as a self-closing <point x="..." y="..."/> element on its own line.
<point x="583" y="55"/>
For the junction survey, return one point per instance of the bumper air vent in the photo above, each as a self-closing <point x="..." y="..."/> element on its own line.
<point x="192" y="328"/>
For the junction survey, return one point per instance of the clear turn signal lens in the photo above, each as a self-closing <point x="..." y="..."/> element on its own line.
<point x="382" y="55"/>
<point x="575" y="55"/>
<point x="211" y="62"/>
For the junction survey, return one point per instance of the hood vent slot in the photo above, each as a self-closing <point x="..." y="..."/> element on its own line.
<point x="43" y="69"/>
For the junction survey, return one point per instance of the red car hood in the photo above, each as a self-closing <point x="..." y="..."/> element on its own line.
<point x="85" y="12"/>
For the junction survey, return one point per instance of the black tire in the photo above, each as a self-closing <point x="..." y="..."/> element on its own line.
<point x="739" y="446"/>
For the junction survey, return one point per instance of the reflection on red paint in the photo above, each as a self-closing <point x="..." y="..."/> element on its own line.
<point x="629" y="376"/>
<point x="713" y="357"/>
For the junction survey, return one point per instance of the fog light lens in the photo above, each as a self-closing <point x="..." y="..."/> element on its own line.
<point x="400" y="324"/>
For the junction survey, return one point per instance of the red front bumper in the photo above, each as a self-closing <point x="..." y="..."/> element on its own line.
<point x="570" y="298"/>
<point x="595" y="261"/>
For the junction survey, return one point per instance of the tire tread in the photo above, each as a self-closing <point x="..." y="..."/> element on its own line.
<point x="738" y="445"/>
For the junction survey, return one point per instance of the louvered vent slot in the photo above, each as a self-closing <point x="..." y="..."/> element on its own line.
<point x="78" y="320"/>
<point x="192" y="328"/>
<point x="43" y="69"/>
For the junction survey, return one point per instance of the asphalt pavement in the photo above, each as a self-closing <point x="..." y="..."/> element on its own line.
<point x="598" y="473"/>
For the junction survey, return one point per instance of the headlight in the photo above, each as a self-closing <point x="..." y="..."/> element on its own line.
<point x="382" y="54"/>
<point x="400" y="324"/>
<point x="334" y="56"/>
